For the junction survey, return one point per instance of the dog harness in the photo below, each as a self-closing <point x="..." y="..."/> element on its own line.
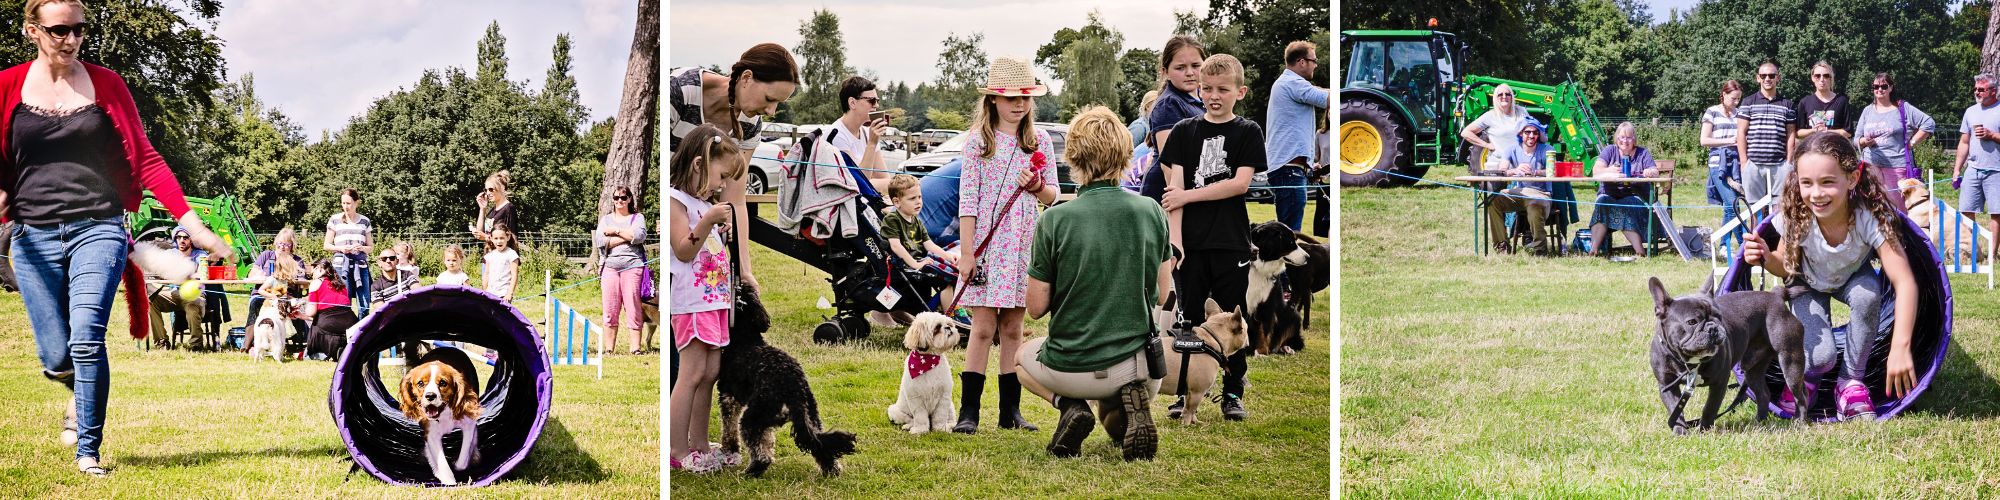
<point x="1188" y="343"/>
<point x="921" y="362"/>
<point x="1684" y="387"/>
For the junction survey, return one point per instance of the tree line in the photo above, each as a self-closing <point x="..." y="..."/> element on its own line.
<point x="418" y="155"/>
<point x="1631" y="64"/>
<point x="1091" y="60"/>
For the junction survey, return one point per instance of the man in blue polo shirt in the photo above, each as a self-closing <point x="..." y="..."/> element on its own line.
<point x="1288" y="150"/>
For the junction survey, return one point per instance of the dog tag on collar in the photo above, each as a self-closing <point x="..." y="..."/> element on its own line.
<point x="888" y="297"/>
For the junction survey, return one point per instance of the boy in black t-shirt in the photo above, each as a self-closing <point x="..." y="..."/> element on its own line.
<point x="1209" y="160"/>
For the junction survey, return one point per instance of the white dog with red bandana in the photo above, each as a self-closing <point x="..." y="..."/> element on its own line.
<point x="924" y="402"/>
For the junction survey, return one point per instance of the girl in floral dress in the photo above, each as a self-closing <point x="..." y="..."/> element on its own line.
<point x="1005" y="182"/>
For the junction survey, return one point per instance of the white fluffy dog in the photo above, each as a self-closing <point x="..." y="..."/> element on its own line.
<point x="924" y="402"/>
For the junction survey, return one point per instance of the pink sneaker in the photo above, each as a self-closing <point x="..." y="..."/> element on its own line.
<point x="1854" y="401"/>
<point x="697" y="462"/>
<point x="1788" y="406"/>
<point x="727" y="459"/>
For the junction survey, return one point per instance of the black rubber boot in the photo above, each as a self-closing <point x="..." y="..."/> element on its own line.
<point x="970" y="384"/>
<point x="1010" y="404"/>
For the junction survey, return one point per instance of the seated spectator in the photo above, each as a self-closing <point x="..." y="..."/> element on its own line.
<point x="1621" y="205"/>
<point x="331" y="311"/>
<point x="274" y="262"/>
<point x="910" y="243"/>
<point x="393" y="281"/>
<point x="278" y="262"/>
<point x="1529" y="199"/>
<point x="187" y="309"/>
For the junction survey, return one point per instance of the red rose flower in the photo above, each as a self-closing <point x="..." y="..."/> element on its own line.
<point x="1039" y="161"/>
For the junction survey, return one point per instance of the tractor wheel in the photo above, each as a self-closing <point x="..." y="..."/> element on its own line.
<point x="1372" y="141"/>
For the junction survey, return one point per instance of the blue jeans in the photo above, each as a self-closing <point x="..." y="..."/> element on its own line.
<point x="1289" y="194"/>
<point x="358" y="280"/>
<point x="1722" y="165"/>
<point x="68" y="273"/>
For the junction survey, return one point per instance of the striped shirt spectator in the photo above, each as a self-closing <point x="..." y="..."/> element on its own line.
<point x="1765" y="136"/>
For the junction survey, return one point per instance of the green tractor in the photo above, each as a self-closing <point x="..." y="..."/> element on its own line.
<point x="220" y="214"/>
<point x="1404" y="103"/>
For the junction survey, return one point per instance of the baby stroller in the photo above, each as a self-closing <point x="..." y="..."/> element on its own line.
<point x="830" y="217"/>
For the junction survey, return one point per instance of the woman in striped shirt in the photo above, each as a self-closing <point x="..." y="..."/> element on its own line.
<point x="1718" y="134"/>
<point x="348" y="237"/>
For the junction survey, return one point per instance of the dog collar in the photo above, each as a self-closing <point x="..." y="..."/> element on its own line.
<point x="920" y="363"/>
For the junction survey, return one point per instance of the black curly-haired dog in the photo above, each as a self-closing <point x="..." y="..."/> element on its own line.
<point x="761" y="388"/>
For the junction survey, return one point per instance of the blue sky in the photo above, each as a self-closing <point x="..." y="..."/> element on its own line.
<point x="322" y="62"/>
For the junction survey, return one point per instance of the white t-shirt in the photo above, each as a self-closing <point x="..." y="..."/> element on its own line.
<point x="1827" y="267"/>
<point x="855" y="145"/>
<point x="499" y="278"/>
<point x="1504" y="132"/>
<point x="452" y="278"/>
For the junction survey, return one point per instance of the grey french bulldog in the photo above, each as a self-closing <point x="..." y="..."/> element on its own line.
<point x="1702" y="337"/>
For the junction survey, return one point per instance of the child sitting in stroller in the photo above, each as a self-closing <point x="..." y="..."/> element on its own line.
<point x="906" y="234"/>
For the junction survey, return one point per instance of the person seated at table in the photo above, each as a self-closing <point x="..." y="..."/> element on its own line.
<point x="1621" y="205"/>
<point x="1530" y="199"/>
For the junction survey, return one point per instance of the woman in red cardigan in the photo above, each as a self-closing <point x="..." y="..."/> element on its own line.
<point x="73" y="160"/>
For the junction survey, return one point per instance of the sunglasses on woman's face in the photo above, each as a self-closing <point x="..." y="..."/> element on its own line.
<point x="620" y="198"/>
<point x="64" y="30"/>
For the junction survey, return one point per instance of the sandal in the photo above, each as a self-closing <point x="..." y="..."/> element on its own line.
<point x="89" y="467"/>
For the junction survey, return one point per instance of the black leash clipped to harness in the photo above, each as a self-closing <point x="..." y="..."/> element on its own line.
<point x="1684" y="387"/>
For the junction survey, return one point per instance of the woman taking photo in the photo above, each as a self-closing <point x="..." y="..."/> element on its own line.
<point x="75" y="160"/>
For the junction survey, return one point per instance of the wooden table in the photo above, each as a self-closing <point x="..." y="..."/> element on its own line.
<point x="1479" y="199"/>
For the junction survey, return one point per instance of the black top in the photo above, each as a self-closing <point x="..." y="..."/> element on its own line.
<point x="1209" y="153"/>
<point x="65" y="165"/>
<point x="1811" y="111"/>
<point x="502" y="214"/>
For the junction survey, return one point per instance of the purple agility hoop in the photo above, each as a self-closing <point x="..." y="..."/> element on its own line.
<point x="1928" y="343"/>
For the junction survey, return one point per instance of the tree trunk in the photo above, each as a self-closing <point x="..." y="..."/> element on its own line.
<point x="1989" y="56"/>
<point x="638" y="114"/>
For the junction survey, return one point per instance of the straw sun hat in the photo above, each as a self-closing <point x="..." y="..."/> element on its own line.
<point x="1012" y="77"/>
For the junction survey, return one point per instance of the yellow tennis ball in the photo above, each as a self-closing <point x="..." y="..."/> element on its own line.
<point x="190" y="291"/>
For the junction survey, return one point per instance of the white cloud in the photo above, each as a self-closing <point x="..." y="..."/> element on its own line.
<point x="900" y="39"/>
<point x="323" y="63"/>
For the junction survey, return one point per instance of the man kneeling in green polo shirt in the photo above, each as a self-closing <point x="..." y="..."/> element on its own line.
<point x="1098" y="264"/>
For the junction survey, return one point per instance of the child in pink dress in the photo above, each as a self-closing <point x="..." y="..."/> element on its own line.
<point x="1006" y="180"/>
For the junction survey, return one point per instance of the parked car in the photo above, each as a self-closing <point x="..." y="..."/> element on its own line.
<point x="937" y="157"/>
<point x="766" y="165"/>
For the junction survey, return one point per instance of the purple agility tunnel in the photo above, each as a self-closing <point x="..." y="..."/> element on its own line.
<point x="515" y="397"/>
<point x="1929" y="341"/>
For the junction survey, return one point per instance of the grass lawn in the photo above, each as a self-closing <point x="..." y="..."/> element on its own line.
<point x="1511" y="375"/>
<point x="1279" y="452"/>
<point x="207" y="425"/>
